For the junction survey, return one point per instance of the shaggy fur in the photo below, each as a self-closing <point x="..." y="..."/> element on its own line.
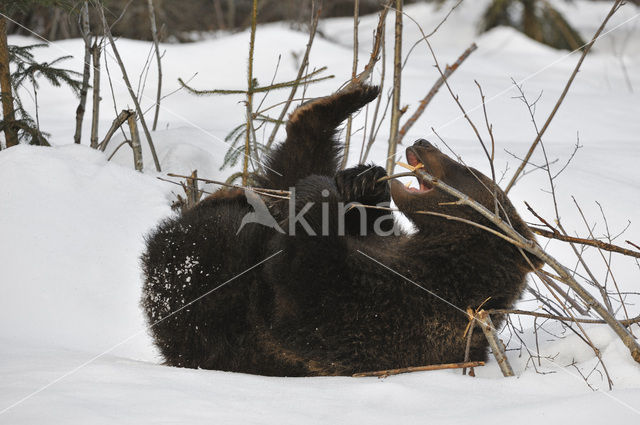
<point x="329" y="305"/>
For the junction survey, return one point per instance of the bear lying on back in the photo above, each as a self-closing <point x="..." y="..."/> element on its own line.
<point x="341" y="302"/>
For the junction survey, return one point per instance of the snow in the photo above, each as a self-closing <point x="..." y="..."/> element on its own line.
<point x="73" y="342"/>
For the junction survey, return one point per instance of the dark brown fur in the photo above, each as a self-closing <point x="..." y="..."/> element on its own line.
<point x="328" y="305"/>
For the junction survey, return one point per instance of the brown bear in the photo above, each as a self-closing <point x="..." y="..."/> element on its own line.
<point x="341" y="291"/>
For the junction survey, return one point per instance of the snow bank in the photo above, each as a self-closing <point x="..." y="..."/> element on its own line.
<point x="72" y="228"/>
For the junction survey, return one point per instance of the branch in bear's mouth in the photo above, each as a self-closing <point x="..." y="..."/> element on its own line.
<point x="394" y="176"/>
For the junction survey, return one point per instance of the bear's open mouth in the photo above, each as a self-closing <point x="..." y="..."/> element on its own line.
<point x="414" y="160"/>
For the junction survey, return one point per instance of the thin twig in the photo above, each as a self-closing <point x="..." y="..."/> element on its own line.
<point x="394" y="176"/>
<point x="156" y="42"/>
<point x="625" y="322"/>
<point x="406" y="59"/>
<point x="585" y="51"/>
<point x="117" y="122"/>
<point x="467" y="348"/>
<point x="181" y="185"/>
<point x="125" y="142"/>
<point x="281" y="194"/>
<point x="354" y="69"/>
<point x="86" y="37"/>
<point x="585" y="241"/>
<point x="385" y="373"/>
<point x="449" y="69"/>
<point x="633" y="245"/>
<point x="131" y="92"/>
<point x="303" y="65"/>
<point x="379" y="46"/>
<point x="261" y="89"/>
<point x="395" y="102"/>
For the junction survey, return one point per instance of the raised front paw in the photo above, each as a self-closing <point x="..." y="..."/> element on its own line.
<point x="360" y="184"/>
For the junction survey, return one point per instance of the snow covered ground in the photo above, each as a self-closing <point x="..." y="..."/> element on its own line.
<point x="73" y="343"/>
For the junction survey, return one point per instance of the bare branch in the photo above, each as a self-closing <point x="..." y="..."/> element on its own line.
<point x="86" y="37"/>
<point x="354" y="68"/>
<point x="95" y="58"/>
<point x="625" y="322"/>
<point x="377" y="44"/>
<point x="379" y="48"/>
<point x="484" y="320"/>
<point x="395" y="103"/>
<point x="584" y="241"/>
<point x="286" y="84"/>
<point x="135" y="142"/>
<point x="154" y="34"/>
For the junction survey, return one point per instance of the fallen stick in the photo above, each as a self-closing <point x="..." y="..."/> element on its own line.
<point x="385" y="373"/>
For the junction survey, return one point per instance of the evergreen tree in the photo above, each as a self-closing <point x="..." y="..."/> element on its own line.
<point x="17" y="124"/>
